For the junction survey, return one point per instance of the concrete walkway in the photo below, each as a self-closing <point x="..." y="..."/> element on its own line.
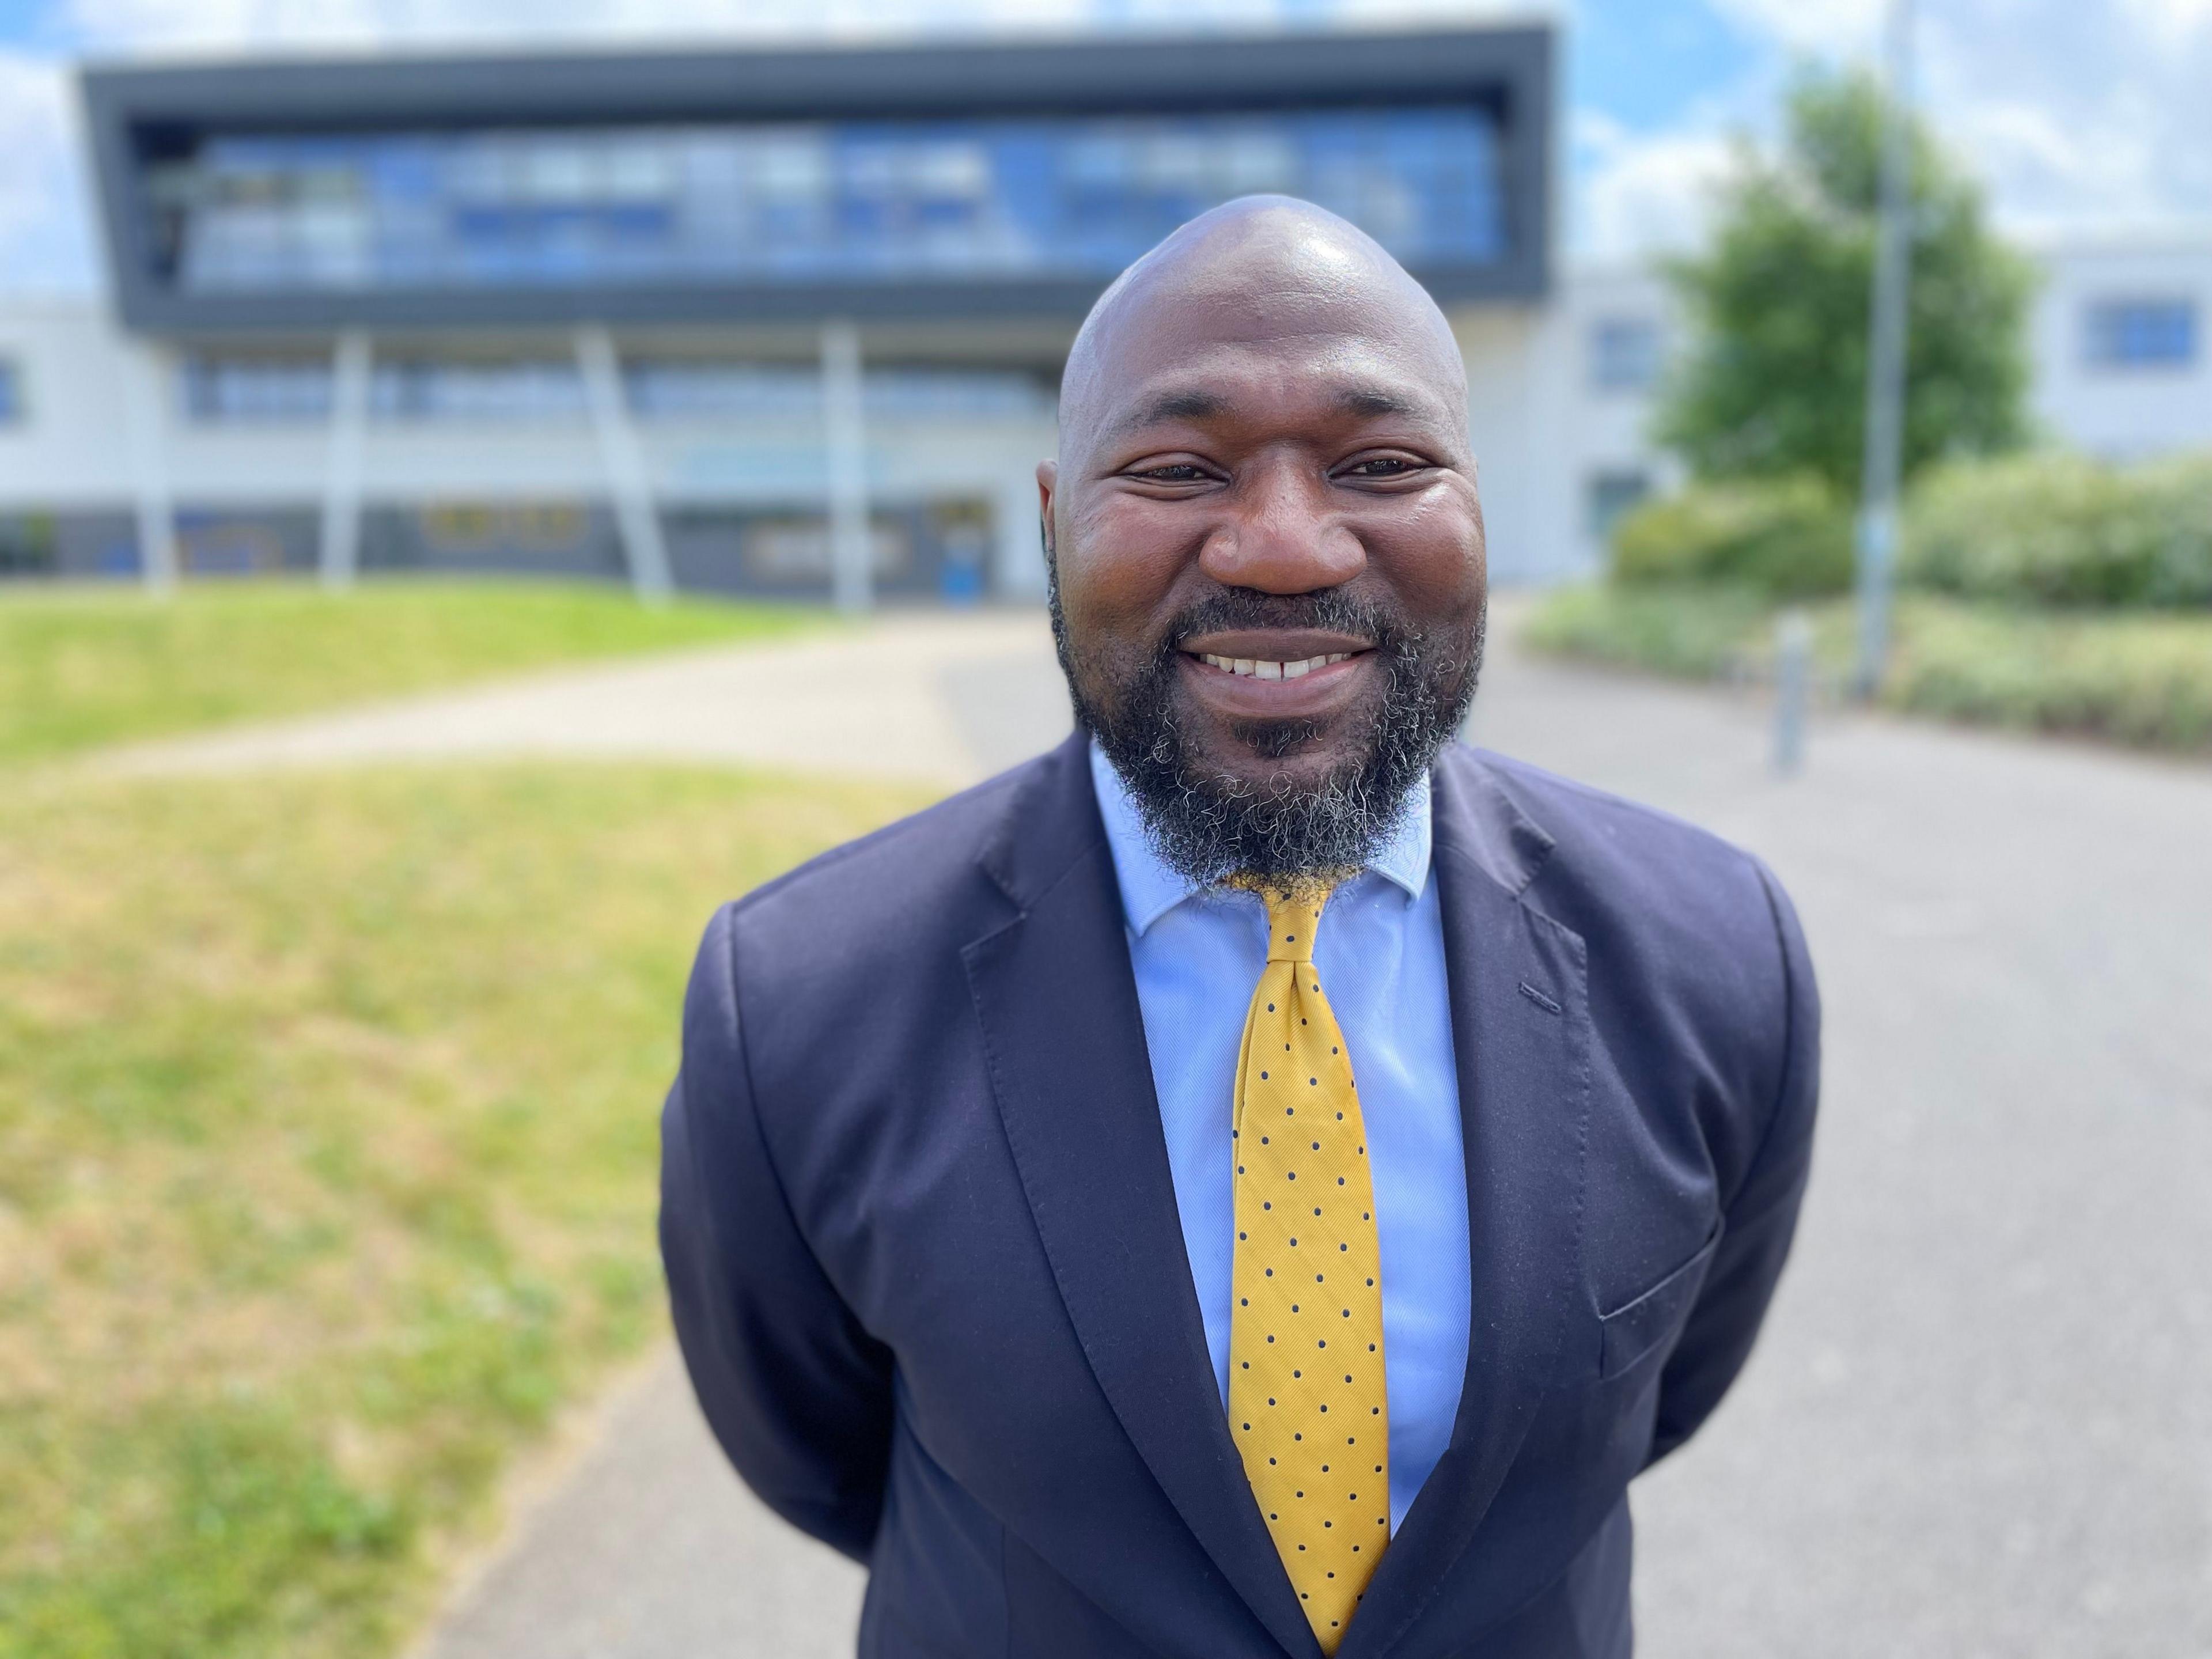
<point x="1980" y="1423"/>
<point x="931" y="695"/>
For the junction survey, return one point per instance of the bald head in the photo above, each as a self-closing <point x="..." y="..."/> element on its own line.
<point x="1265" y="536"/>
<point x="1263" y="274"/>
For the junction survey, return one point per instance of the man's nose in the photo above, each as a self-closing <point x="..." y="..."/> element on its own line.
<point x="1281" y="535"/>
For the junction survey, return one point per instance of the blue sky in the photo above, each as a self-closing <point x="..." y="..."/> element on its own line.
<point x="2081" y="115"/>
<point x="1647" y="65"/>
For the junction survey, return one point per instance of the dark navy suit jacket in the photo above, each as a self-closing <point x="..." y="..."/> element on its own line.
<point x="922" y="1245"/>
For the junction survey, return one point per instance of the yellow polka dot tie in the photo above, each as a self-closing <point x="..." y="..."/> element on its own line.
<point x="1306" y="1400"/>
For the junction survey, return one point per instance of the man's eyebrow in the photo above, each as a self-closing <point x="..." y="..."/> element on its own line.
<point x="1197" y="404"/>
<point x="1378" y="400"/>
<point x="1188" y="403"/>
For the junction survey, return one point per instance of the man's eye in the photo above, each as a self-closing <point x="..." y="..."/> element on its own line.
<point x="1383" y="466"/>
<point x="1178" y="473"/>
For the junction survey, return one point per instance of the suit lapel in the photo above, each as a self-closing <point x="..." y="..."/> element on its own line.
<point x="1522" y="1058"/>
<point x="1064" y="1034"/>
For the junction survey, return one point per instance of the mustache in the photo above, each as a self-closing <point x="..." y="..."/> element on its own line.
<point x="1330" y="611"/>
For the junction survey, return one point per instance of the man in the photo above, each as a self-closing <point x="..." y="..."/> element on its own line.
<point x="1261" y="1179"/>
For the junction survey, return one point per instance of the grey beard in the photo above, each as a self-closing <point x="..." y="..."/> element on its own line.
<point x="1206" y="824"/>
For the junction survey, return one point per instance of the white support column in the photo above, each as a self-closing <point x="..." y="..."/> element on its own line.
<point x="844" y="431"/>
<point x="340" y="550"/>
<point x="629" y="486"/>
<point x="146" y="416"/>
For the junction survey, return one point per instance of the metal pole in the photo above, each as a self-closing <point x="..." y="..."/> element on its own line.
<point x="1793" y="685"/>
<point x="637" y="519"/>
<point x="1886" y="358"/>
<point x="340" y="552"/>
<point x="146" y="418"/>
<point x="845" y="440"/>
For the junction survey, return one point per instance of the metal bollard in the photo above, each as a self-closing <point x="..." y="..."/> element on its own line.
<point x="1793" y="677"/>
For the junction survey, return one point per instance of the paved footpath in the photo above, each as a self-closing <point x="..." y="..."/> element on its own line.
<point x="1980" y="1422"/>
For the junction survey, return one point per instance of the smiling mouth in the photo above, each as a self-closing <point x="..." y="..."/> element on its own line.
<point x="1262" y="668"/>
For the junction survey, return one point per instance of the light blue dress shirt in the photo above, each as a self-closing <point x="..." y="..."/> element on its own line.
<point x="1197" y="953"/>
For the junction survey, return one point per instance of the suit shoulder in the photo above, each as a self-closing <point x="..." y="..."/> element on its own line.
<point x="1620" y="870"/>
<point x="1594" y="828"/>
<point x="858" y="906"/>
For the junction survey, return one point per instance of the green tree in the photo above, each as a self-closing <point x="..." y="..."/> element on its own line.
<point x="1775" y="381"/>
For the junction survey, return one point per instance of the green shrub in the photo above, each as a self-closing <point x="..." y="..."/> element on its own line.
<point x="2057" y="529"/>
<point x="2141" y="678"/>
<point x="1787" y="538"/>
<point x="1699" y="632"/>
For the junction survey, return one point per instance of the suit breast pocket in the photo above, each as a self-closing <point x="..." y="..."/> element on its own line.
<point x="1656" y="1316"/>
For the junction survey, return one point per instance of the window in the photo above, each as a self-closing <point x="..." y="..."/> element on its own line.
<point x="256" y="388"/>
<point x="2141" y="333"/>
<point x="487" y="389"/>
<point x="1624" y="354"/>
<point x="11" y="392"/>
<point x="1608" y="495"/>
<point x="1069" y="197"/>
<point x="702" y="389"/>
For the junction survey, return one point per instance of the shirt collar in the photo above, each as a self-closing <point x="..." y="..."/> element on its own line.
<point x="1151" y="887"/>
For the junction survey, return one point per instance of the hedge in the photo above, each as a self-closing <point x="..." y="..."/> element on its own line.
<point x="2058" y="529"/>
<point x="2044" y="528"/>
<point x="1787" y="537"/>
<point x="2142" y="677"/>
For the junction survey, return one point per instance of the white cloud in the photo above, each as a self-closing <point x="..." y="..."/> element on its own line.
<point x="279" y="25"/>
<point x="45" y="235"/>
<point x="1636" y="195"/>
<point x="1827" y="28"/>
<point x="276" y="26"/>
<point x="2078" y="118"/>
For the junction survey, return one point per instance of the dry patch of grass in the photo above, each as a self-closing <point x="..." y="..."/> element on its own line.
<point x="327" y="1143"/>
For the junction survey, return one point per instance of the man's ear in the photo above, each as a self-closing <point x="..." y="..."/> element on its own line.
<point x="1047" y="478"/>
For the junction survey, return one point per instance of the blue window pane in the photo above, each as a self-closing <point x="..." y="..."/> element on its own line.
<point x="11" y="393"/>
<point x="2143" y="333"/>
<point x="1607" y="496"/>
<point x="216" y="386"/>
<point x="491" y="389"/>
<point x="1624" y="354"/>
<point x="978" y="199"/>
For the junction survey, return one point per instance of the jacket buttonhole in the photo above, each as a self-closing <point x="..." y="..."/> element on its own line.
<point x="1538" y="999"/>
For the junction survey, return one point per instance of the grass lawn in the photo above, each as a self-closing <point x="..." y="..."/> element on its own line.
<point x="80" y="666"/>
<point x="328" y="1123"/>
<point x="2142" y="677"/>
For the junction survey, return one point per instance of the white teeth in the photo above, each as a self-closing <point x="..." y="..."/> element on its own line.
<point x="1260" y="668"/>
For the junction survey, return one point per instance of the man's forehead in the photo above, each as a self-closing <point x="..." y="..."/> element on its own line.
<point x="1313" y="377"/>
<point x="1265" y="293"/>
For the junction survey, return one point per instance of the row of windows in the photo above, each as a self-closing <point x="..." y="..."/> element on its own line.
<point x="874" y="200"/>
<point x="252" y="388"/>
<point x="935" y="546"/>
<point x="1626" y="354"/>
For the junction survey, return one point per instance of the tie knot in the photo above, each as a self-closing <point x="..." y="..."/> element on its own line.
<point x="1293" y="913"/>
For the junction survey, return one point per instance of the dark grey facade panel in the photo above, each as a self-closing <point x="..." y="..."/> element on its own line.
<point x="136" y="114"/>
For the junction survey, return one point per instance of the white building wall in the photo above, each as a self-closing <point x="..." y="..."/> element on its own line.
<point x="2118" y="410"/>
<point x="70" y="450"/>
<point x="1559" y="431"/>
